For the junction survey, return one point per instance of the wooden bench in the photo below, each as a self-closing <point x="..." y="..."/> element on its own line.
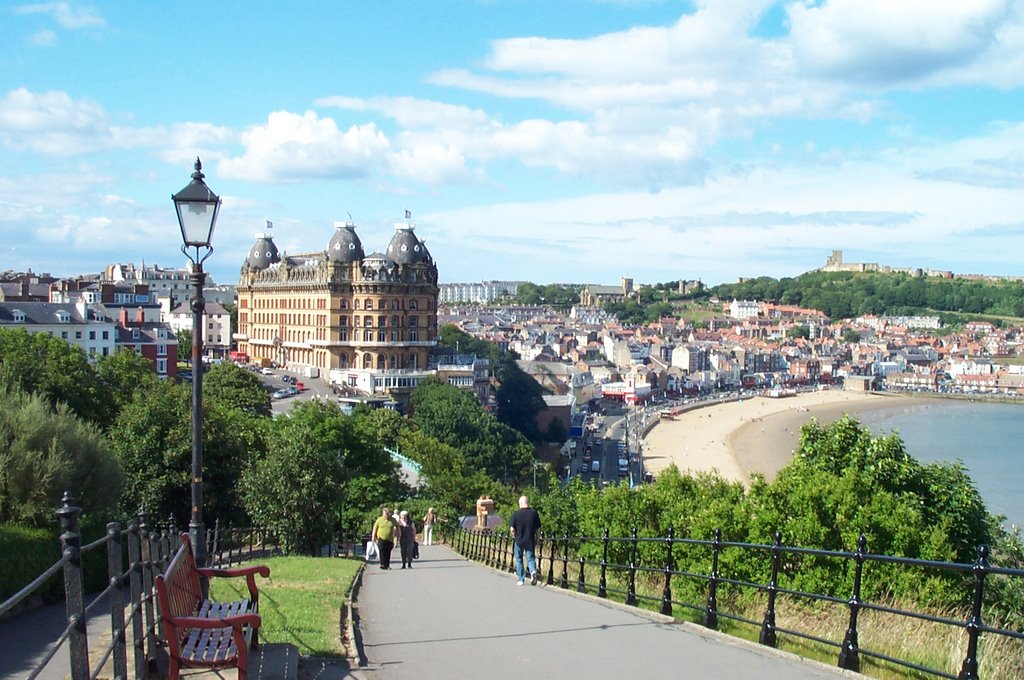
<point x="201" y="633"/>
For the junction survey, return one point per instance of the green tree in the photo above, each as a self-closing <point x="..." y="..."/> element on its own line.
<point x="184" y="336"/>
<point x="152" y="438"/>
<point x="850" y="335"/>
<point x="45" y="451"/>
<point x="124" y="374"/>
<point x="237" y="387"/>
<point x="453" y="417"/>
<point x="313" y="460"/>
<point x="799" y="331"/>
<point x="56" y="371"/>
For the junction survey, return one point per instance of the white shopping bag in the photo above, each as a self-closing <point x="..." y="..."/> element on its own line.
<point x="371" y="551"/>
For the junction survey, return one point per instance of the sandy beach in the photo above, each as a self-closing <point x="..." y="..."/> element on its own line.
<point x="754" y="435"/>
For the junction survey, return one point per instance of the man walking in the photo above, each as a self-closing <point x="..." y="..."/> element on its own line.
<point x="525" y="524"/>
<point x="384" y="531"/>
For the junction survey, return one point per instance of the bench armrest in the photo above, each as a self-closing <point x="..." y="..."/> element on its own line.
<point x="248" y="572"/>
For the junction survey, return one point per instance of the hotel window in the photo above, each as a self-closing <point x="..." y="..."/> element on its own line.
<point x="161" y="366"/>
<point x="368" y="321"/>
<point x="106" y="335"/>
<point x="414" y="335"/>
<point x="161" y="350"/>
<point x="382" y="335"/>
<point x="382" y="304"/>
<point x="343" y="335"/>
<point x="368" y="335"/>
<point x="355" y="304"/>
<point x="78" y="335"/>
<point x="412" y="304"/>
<point x="343" y="321"/>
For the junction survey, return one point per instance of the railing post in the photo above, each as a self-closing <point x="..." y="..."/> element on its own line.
<point x="767" y="636"/>
<point x="551" y="562"/>
<point x="666" y="595"/>
<point x="565" y="560"/>
<point x="135" y="582"/>
<point x="969" y="670"/>
<point x="711" y="609"/>
<point x="147" y="583"/>
<point x="602" y="584"/>
<point x="71" y="549"/>
<point x="848" y="656"/>
<point x="115" y="565"/>
<point x="581" y="582"/>
<point x="631" y="588"/>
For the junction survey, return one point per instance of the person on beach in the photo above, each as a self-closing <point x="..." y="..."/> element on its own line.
<point x="524" y="525"/>
<point x="384" y="531"/>
<point x="429" y="520"/>
<point x="406" y="538"/>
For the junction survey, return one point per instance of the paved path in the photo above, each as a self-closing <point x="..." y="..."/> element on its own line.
<point x="451" y="618"/>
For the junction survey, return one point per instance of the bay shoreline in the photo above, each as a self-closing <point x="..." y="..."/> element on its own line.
<point x="752" y="436"/>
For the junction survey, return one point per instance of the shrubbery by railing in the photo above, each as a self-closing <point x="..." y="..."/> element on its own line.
<point x="135" y="555"/>
<point x="570" y="563"/>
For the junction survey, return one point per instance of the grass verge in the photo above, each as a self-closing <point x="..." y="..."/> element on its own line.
<point x="301" y="603"/>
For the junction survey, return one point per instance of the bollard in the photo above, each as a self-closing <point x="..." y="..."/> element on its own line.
<point x="565" y="560"/>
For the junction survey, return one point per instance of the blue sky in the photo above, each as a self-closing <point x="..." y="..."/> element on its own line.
<point x="569" y="141"/>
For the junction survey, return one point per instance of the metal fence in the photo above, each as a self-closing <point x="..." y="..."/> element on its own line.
<point x="136" y="554"/>
<point x="567" y="567"/>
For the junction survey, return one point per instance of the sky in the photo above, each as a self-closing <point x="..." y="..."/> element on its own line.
<point x="572" y="141"/>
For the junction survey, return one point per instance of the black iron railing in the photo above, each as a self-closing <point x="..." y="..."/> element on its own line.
<point x="136" y="554"/>
<point x="557" y="553"/>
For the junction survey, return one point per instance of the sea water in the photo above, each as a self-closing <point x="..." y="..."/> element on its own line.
<point x="986" y="437"/>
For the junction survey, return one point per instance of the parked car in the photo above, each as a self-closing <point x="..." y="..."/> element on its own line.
<point x="299" y="386"/>
<point x="280" y="394"/>
<point x="291" y="390"/>
<point x="266" y="371"/>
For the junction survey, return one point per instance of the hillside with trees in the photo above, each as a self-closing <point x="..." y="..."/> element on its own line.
<point x="844" y="295"/>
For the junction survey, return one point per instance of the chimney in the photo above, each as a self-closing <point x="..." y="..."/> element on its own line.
<point x="140" y="316"/>
<point x="122" y="317"/>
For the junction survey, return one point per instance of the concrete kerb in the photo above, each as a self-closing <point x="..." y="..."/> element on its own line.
<point x="352" y="639"/>
<point x="692" y="628"/>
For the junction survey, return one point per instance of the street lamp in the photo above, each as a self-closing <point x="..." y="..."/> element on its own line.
<point x="197" y="209"/>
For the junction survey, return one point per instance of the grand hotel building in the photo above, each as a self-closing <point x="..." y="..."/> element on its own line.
<point x="367" y="322"/>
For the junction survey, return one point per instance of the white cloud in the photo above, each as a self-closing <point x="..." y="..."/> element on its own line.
<point x="884" y="42"/>
<point x="66" y="16"/>
<point x="44" y="38"/>
<point x="293" y="147"/>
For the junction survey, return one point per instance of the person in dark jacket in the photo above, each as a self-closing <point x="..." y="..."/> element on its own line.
<point x="525" y="524"/>
<point x="406" y="538"/>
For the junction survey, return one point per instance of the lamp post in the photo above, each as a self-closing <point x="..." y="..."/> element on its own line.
<point x="197" y="209"/>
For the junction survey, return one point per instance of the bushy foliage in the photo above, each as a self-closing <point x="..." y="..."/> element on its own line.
<point x="56" y="371"/>
<point x="320" y="466"/>
<point x="847" y="294"/>
<point x="45" y="451"/>
<point x="237" y="387"/>
<point x="453" y="417"/>
<point x="152" y="438"/>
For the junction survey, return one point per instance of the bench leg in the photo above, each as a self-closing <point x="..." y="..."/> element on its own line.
<point x="172" y="668"/>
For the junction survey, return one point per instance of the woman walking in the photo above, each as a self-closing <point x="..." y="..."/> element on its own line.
<point x="429" y="520"/>
<point x="406" y="538"/>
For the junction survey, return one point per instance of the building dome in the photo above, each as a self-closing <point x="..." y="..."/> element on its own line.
<point x="263" y="253"/>
<point x="345" y="245"/>
<point x="405" y="248"/>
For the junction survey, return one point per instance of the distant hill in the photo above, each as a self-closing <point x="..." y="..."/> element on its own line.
<point x="845" y="295"/>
